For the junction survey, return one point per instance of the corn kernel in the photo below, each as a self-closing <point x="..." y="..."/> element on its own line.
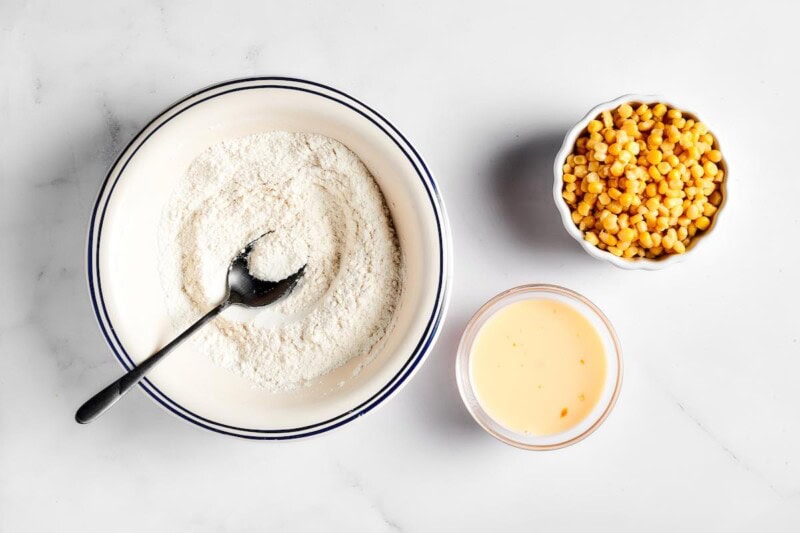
<point x="624" y="110"/>
<point x="710" y="169"/>
<point x="646" y="125"/>
<point x="625" y="156"/>
<point x="693" y="212"/>
<point x="702" y="223"/>
<point x="610" y="223"/>
<point x="654" y="157"/>
<point x="594" y="126"/>
<point x="595" y="188"/>
<point x="679" y="247"/>
<point x="608" y="122"/>
<point x="630" y="128"/>
<point x="673" y="133"/>
<point x="591" y="238"/>
<point x="608" y="238"/>
<point x="626" y="234"/>
<point x="673" y="160"/>
<point x="715" y="156"/>
<point x="626" y="199"/>
<point x="654" y="173"/>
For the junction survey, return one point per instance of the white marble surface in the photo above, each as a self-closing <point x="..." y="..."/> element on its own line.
<point x="706" y="435"/>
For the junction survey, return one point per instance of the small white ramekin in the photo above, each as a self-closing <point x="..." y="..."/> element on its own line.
<point x="563" y="208"/>
<point x="611" y="387"/>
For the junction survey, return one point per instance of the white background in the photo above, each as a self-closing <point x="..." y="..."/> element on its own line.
<point x="706" y="434"/>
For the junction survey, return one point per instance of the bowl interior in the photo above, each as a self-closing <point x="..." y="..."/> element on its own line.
<point x="128" y="258"/>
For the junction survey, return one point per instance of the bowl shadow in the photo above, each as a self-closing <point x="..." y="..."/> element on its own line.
<point x="521" y="182"/>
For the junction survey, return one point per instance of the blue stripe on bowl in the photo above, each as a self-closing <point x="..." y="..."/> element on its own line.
<point x="107" y="327"/>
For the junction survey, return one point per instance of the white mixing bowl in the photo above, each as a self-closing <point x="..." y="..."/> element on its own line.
<point x="123" y="273"/>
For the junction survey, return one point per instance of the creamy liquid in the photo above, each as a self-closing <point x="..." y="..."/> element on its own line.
<point x="538" y="367"/>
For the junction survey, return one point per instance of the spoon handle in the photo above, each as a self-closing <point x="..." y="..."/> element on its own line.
<point x="107" y="397"/>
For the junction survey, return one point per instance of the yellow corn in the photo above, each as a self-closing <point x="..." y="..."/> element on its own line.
<point x="594" y="126"/>
<point x="642" y="182"/>
<point x="702" y="223"/>
<point x="654" y="157"/>
<point x="626" y="234"/>
<point x="595" y="187"/>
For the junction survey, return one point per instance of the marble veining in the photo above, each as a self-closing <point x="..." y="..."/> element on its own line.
<point x="706" y="433"/>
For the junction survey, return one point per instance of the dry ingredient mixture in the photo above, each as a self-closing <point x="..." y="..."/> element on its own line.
<point x="320" y="207"/>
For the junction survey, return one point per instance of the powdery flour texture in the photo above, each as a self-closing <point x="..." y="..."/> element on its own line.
<point x="320" y="207"/>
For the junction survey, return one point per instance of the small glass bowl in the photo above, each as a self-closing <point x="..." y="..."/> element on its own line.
<point x="611" y="387"/>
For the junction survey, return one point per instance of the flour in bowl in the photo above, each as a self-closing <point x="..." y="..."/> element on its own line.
<point x="319" y="207"/>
